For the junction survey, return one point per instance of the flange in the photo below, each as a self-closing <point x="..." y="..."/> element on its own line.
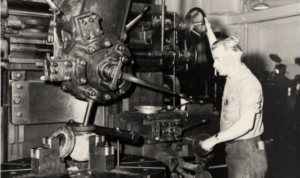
<point x="67" y="140"/>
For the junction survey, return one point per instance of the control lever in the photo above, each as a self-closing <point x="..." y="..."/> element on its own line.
<point x="134" y="21"/>
<point x="118" y="134"/>
<point x="113" y="84"/>
<point x="187" y="127"/>
<point x="178" y="106"/>
<point x="192" y="167"/>
<point x="134" y="79"/>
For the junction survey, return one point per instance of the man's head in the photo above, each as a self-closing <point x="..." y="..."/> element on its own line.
<point x="227" y="55"/>
<point x="280" y="69"/>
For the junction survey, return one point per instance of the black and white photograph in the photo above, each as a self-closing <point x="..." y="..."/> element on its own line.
<point x="150" y="89"/>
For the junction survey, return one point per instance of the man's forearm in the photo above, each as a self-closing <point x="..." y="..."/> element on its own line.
<point x="238" y="129"/>
<point x="211" y="36"/>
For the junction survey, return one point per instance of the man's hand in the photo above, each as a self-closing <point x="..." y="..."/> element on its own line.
<point x="209" y="143"/>
<point x="209" y="33"/>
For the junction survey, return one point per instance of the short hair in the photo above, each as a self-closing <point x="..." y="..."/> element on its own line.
<point x="280" y="66"/>
<point x="230" y="43"/>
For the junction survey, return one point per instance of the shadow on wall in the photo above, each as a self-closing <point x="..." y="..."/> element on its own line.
<point x="256" y="63"/>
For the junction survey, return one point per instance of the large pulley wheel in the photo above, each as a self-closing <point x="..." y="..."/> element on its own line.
<point x="196" y="146"/>
<point x="197" y="30"/>
<point x="67" y="140"/>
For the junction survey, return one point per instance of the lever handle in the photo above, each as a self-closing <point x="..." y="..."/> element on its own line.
<point x="113" y="84"/>
<point x="134" y="21"/>
<point x="123" y="135"/>
<point x="134" y="79"/>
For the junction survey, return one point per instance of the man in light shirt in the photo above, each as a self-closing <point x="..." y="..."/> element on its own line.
<point x="241" y="117"/>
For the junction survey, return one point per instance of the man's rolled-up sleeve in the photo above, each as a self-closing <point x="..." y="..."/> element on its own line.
<point x="250" y="99"/>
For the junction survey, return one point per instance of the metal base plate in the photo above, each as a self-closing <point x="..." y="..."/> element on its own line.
<point x="131" y="166"/>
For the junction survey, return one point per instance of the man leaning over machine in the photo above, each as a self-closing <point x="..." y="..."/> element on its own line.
<point x="241" y="117"/>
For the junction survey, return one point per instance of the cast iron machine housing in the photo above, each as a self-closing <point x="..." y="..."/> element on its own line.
<point x="86" y="48"/>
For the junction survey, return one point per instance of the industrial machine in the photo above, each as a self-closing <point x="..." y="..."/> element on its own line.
<point x="84" y="86"/>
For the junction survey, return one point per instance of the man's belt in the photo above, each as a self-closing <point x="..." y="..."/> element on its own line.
<point x="243" y="140"/>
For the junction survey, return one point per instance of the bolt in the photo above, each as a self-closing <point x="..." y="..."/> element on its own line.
<point x="126" y="60"/>
<point x="91" y="20"/>
<point x="121" y="91"/>
<point x="67" y="78"/>
<point x="66" y="39"/>
<point x="83" y="22"/>
<point x="54" y="64"/>
<point x="91" y="49"/>
<point x="107" y="96"/>
<point x="19" y="114"/>
<point x="121" y="48"/>
<point x="107" y="43"/>
<point x="92" y="93"/>
<point x="83" y="81"/>
<point x="17" y="101"/>
<point x="96" y="17"/>
<point x="70" y="64"/>
<point x="100" y="32"/>
<point x="19" y="75"/>
<point x="83" y="62"/>
<point x="19" y="87"/>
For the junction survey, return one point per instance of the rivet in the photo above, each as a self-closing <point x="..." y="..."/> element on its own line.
<point x="19" y="87"/>
<point x="83" y="22"/>
<point x="107" y="43"/>
<point x="17" y="101"/>
<point x="67" y="78"/>
<point x="121" y="48"/>
<point x="107" y="96"/>
<point x="92" y="93"/>
<point x="121" y="91"/>
<point x="91" y="49"/>
<point x="83" y="81"/>
<point x="19" y="114"/>
<point x="54" y="64"/>
<point x="19" y="75"/>
<point x="83" y="62"/>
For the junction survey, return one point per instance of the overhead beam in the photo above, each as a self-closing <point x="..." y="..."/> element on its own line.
<point x="265" y="15"/>
<point x="255" y="16"/>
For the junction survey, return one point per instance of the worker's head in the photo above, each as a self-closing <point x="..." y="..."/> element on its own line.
<point x="280" y="69"/>
<point x="227" y="55"/>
